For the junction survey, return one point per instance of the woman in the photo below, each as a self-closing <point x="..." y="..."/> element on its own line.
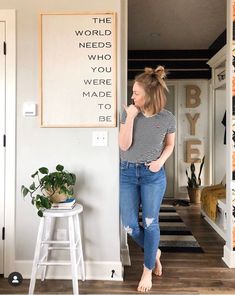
<point x="146" y="140"/>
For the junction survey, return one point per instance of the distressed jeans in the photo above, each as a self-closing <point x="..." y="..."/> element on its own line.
<point x="138" y="185"/>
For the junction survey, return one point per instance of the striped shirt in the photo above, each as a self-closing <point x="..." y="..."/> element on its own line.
<point x="148" y="136"/>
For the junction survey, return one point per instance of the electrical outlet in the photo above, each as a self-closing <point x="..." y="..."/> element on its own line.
<point x="100" y="138"/>
<point x="61" y="234"/>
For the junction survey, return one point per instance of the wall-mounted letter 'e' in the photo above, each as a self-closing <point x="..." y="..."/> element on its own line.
<point x="192" y="151"/>
<point x="193" y="96"/>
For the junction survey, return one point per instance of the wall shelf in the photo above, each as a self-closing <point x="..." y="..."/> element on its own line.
<point x="217" y="64"/>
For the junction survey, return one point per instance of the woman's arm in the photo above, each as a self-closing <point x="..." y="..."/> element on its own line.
<point x="155" y="166"/>
<point x="126" y="129"/>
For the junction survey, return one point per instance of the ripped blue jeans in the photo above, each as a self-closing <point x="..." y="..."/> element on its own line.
<point x="138" y="185"/>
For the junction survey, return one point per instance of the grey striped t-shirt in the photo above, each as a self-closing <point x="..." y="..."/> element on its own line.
<point x="148" y="136"/>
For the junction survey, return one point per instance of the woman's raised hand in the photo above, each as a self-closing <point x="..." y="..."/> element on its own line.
<point x="131" y="110"/>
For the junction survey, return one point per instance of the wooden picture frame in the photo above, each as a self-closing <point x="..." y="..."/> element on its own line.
<point x="78" y="69"/>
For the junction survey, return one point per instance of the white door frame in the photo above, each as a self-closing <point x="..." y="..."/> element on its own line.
<point x="9" y="17"/>
<point x="174" y="83"/>
<point x="2" y="148"/>
<point x="175" y="152"/>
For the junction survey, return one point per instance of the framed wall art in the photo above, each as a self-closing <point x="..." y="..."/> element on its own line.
<point x="78" y="70"/>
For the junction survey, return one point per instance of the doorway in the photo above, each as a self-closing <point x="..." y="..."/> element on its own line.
<point x="160" y="33"/>
<point x="7" y="142"/>
<point x="2" y="134"/>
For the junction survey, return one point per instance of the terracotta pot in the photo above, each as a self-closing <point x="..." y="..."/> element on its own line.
<point x="194" y="195"/>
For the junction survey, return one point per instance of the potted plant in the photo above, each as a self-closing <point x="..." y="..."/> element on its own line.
<point x="49" y="187"/>
<point x="194" y="183"/>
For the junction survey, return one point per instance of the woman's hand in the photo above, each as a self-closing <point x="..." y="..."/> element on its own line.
<point x="131" y="110"/>
<point x="126" y="129"/>
<point x="155" y="166"/>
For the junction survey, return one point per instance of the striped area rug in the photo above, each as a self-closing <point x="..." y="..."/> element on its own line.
<point x="175" y="236"/>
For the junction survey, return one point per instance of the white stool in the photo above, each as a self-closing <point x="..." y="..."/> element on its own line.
<point x="45" y="242"/>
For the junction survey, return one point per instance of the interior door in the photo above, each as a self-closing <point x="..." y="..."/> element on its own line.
<point x="2" y="145"/>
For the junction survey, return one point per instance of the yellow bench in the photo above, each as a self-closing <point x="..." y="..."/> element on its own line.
<point x="209" y="198"/>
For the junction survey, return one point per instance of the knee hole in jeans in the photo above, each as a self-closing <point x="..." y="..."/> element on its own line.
<point x="150" y="223"/>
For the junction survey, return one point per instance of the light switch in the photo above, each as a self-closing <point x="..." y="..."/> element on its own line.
<point x="29" y="109"/>
<point x="100" y="138"/>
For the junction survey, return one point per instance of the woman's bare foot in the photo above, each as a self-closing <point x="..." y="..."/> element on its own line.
<point x="158" y="266"/>
<point x="145" y="283"/>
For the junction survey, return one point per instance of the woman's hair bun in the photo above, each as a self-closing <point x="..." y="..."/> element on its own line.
<point x="149" y="71"/>
<point x="160" y="72"/>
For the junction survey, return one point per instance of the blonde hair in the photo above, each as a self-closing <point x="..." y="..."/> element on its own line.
<point x="154" y="86"/>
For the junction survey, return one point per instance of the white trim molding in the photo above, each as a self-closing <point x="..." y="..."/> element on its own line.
<point x="229" y="257"/>
<point x="9" y="16"/>
<point x="95" y="270"/>
<point x="229" y="254"/>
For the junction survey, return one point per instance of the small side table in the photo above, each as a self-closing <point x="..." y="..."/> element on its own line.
<point x="46" y="243"/>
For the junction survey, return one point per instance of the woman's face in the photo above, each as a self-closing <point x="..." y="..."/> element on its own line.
<point x="138" y="95"/>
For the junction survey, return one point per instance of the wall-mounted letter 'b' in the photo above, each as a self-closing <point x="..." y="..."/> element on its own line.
<point x="193" y="96"/>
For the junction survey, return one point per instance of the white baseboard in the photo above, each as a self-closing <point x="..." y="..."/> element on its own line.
<point x="229" y="257"/>
<point x="95" y="270"/>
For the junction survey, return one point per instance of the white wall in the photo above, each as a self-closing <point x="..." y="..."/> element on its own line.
<point x="96" y="167"/>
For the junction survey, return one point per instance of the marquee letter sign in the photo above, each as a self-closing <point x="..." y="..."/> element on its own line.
<point x="192" y="101"/>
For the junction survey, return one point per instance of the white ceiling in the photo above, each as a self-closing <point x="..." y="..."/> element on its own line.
<point x="175" y="24"/>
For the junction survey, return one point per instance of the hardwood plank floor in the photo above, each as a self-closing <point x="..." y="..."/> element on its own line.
<point x="183" y="273"/>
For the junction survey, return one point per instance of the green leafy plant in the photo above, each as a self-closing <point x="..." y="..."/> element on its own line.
<point x="193" y="180"/>
<point x="46" y="186"/>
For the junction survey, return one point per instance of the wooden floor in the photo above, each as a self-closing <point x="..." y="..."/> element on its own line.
<point x="183" y="273"/>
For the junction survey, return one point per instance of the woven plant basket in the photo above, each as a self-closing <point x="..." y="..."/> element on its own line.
<point x="57" y="197"/>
